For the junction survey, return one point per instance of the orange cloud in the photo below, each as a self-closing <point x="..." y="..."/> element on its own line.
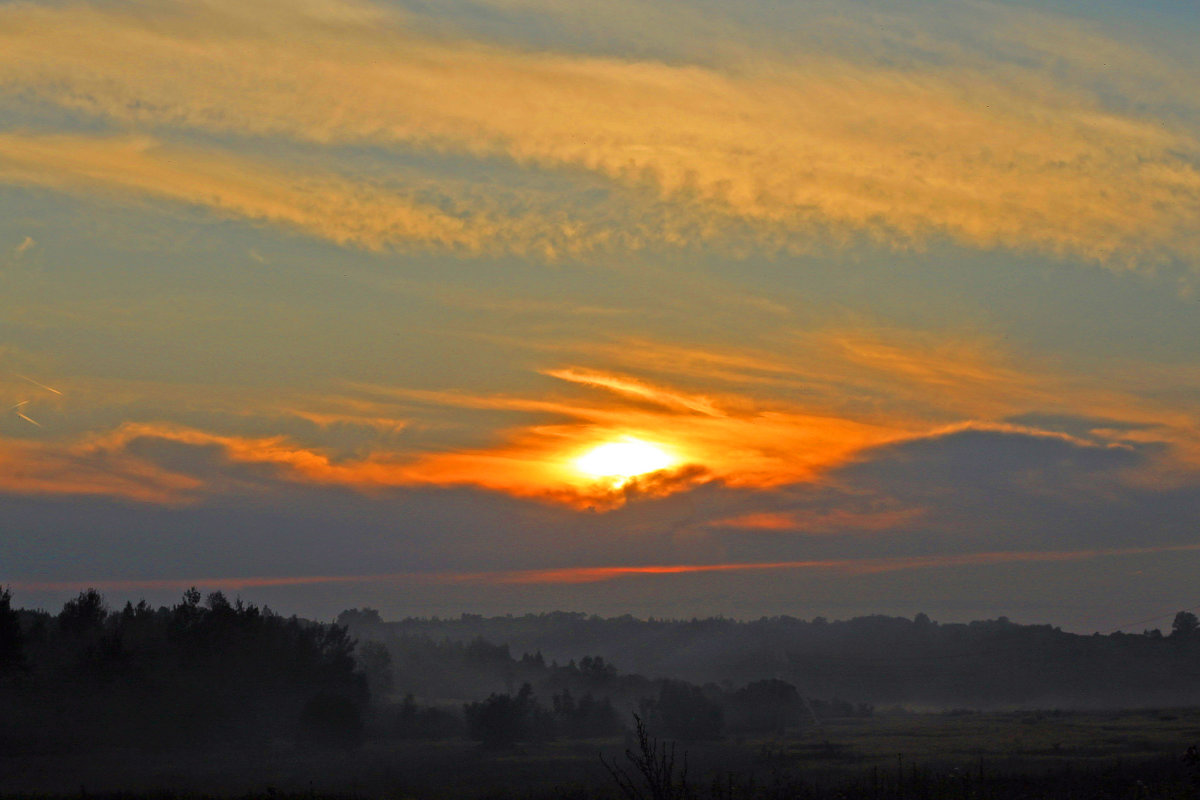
<point x="921" y="382"/>
<point x="34" y="468"/>
<point x="762" y="420"/>
<point x="765" y="448"/>
<point x="762" y="521"/>
<point x="849" y="566"/>
<point x="109" y="464"/>
<point x="860" y="372"/>
<point x="814" y="404"/>
<point x="727" y="438"/>
<point x="820" y="521"/>
<point x="774" y="447"/>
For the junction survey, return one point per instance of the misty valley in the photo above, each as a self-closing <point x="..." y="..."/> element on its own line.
<point x="213" y="697"/>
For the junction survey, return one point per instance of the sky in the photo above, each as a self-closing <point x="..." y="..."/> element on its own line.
<point x="673" y="308"/>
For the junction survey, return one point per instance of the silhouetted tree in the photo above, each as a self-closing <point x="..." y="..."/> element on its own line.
<point x="596" y="670"/>
<point x="407" y="720"/>
<point x="359" y="616"/>
<point x="11" y="640"/>
<point x="503" y="719"/>
<point x="497" y="721"/>
<point x="1186" y="625"/>
<point x="533" y="660"/>
<point x="483" y="652"/>
<point x="683" y="712"/>
<point x="376" y="664"/>
<point x="84" y="614"/>
<point x="584" y="718"/>
<point x="196" y="673"/>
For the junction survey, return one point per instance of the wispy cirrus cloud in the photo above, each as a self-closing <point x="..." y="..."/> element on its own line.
<point x="849" y="566"/>
<point x="28" y="243"/>
<point x="600" y="574"/>
<point x="639" y="390"/>
<point x="320" y="203"/>
<point x="816" y="145"/>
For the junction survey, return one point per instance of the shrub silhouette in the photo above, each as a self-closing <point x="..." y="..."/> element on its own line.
<point x="654" y="775"/>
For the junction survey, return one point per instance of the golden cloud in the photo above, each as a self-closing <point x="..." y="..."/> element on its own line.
<point x="321" y="204"/>
<point x="797" y="146"/>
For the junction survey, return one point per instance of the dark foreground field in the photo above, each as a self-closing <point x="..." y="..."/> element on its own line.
<point x="1132" y="754"/>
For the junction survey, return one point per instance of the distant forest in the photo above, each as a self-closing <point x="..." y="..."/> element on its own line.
<point x="878" y="660"/>
<point x="211" y="671"/>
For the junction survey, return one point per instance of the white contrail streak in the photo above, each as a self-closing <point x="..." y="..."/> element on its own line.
<point x="20" y="414"/>
<point x="38" y="383"/>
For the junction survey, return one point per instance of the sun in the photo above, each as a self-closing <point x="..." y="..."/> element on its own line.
<point x="624" y="459"/>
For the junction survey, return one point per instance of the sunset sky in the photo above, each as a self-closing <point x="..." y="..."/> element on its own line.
<point x="668" y="308"/>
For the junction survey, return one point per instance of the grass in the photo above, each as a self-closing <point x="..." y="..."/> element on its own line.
<point x="881" y="754"/>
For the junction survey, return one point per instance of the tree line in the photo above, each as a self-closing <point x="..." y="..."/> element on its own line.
<point x="210" y="671"/>
<point x="204" y="671"/>
<point x="883" y="660"/>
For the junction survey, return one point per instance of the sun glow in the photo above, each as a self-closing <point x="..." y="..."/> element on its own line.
<point x="621" y="460"/>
